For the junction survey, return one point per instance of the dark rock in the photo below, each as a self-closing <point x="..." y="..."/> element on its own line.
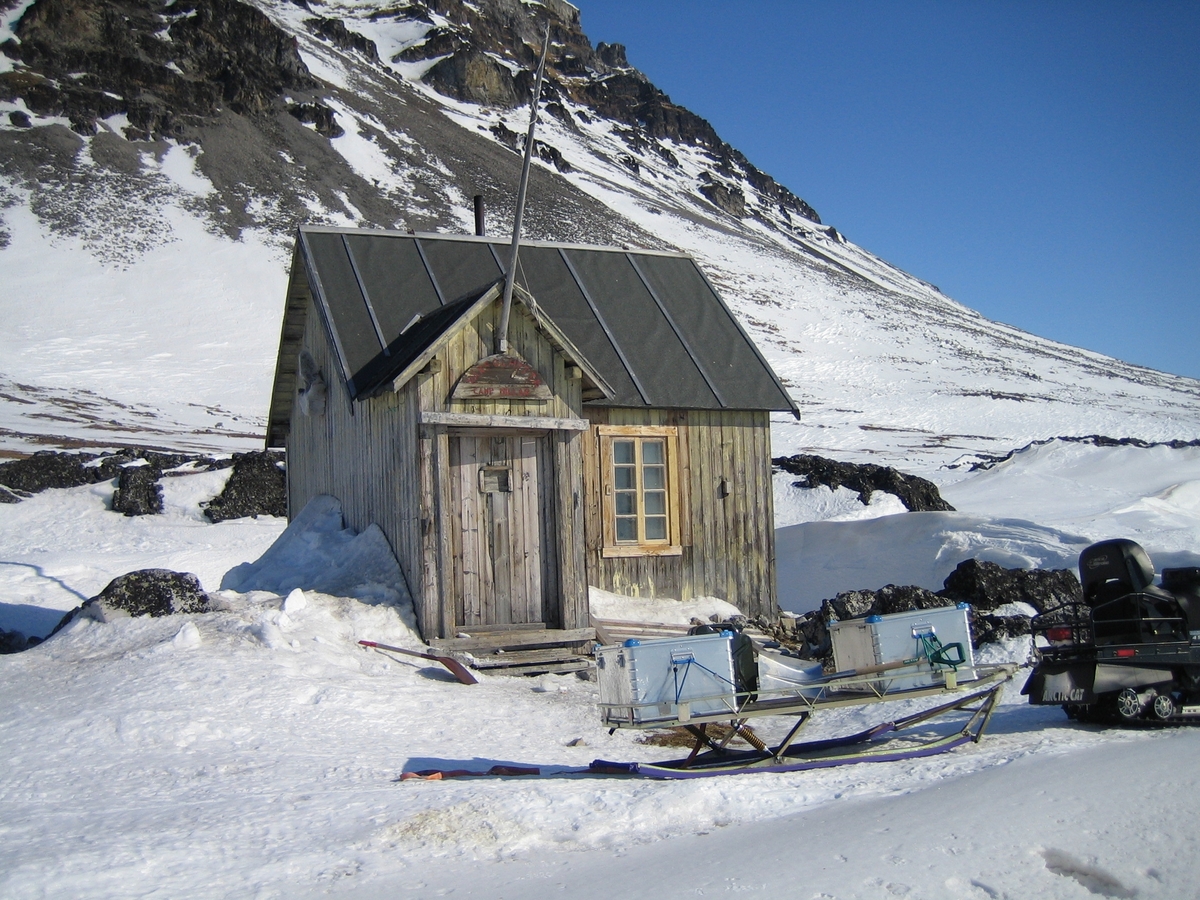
<point x="730" y="199"/>
<point x="317" y="114"/>
<point x="814" y="629"/>
<point x="612" y="55"/>
<point x="335" y="31"/>
<point x="986" y="461"/>
<point x="20" y="119"/>
<point x="96" y="58"/>
<point x="887" y="600"/>
<point x="986" y="585"/>
<point x="13" y="641"/>
<point x="904" y="598"/>
<point x="256" y="487"/>
<point x="10" y="496"/>
<point x="917" y="494"/>
<point x="474" y="77"/>
<point x="509" y="138"/>
<point x="986" y="629"/>
<point x="138" y="492"/>
<point x="852" y="604"/>
<point x="54" y="469"/>
<point x="551" y="155"/>
<point x="146" y="592"/>
<point x="51" y="469"/>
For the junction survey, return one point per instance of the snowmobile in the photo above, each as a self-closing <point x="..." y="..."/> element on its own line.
<point x="1130" y="651"/>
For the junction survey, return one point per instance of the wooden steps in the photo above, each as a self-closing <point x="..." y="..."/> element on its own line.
<point x="521" y="649"/>
<point x="616" y="631"/>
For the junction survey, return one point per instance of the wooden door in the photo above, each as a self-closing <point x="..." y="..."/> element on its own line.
<point x="503" y="571"/>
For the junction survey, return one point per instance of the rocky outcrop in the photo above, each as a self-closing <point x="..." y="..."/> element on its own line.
<point x="15" y="641"/>
<point x="256" y="487"/>
<point x="731" y="199"/>
<point x="146" y="592"/>
<point x="336" y="32"/>
<point x="477" y="35"/>
<point x="319" y="116"/>
<point x="984" y="586"/>
<point x="168" y="67"/>
<point x="917" y="494"/>
<point x="987" y="586"/>
<point x="984" y="461"/>
<point x="138" y="492"/>
<point x="475" y="77"/>
<point x="54" y="469"/>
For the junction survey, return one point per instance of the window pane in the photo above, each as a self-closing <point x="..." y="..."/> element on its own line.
<point x="655" y="502"/>
<point x="626" y="503"/>
<point x="623" y="453"/>
<point x="653" y="478"/>
<point x="624" y="480"/>
<point x="626" y="529"/>
<point x="656" y="528"/>
<point x="652" y="453"/>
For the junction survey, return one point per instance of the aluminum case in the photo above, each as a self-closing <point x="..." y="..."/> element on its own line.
<point x="876" y="640"/>
<point x="666" y="679"/>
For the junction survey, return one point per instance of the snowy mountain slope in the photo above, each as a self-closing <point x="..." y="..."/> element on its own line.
<point x="144" y="251"/>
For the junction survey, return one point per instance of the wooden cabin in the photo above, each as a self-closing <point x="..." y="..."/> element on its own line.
<point x="622" y="441"/>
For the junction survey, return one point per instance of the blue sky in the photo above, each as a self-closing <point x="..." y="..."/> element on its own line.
<point x="1038" y="161"/>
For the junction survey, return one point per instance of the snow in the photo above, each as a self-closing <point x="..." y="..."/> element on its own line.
<point x="194" y="372"/>
<point x="255" y="750"/>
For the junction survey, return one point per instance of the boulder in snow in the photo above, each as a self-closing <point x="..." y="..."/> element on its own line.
<point x="146" y="592"/>
<point x="916" y="493"/>
<point x="986" y="586"/>
<point x="256" y="487"/>
<point x="138" y="492"/>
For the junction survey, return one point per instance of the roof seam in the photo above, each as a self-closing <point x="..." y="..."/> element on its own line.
<point x="687" y="348"/>
<point x="604" y="327"/>
<point x="437" y="288"/>
<point x="362" y="287"/>
<point x="795" y="410"/>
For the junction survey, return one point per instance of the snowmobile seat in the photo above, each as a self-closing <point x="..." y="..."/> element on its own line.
<point x="1111" y="569"/>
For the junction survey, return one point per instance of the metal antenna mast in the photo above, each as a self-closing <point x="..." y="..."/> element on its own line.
<point x="510" y="277"/>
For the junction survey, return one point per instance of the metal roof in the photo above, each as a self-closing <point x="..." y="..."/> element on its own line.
<point x="649" y="323"/>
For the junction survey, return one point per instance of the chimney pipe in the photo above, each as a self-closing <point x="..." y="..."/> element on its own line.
<point x="480" y="225"/>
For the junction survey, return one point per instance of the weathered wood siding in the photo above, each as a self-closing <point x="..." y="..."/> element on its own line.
<point x="365" y="454"/>
<point x="728" y="542"/>
<point x="564" y="588"/>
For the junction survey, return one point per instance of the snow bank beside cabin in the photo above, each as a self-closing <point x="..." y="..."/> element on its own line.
<point x="318" y="553"/>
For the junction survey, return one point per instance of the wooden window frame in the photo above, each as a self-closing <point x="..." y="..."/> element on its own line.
<point x="610" y="548"/>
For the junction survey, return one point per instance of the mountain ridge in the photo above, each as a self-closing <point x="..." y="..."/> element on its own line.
<point x="191" y="148"/>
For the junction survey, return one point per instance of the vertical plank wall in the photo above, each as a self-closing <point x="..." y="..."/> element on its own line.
<point x="365" y="455"/>
<point x="387" y="469"/>
<point x="728" y="543"/>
